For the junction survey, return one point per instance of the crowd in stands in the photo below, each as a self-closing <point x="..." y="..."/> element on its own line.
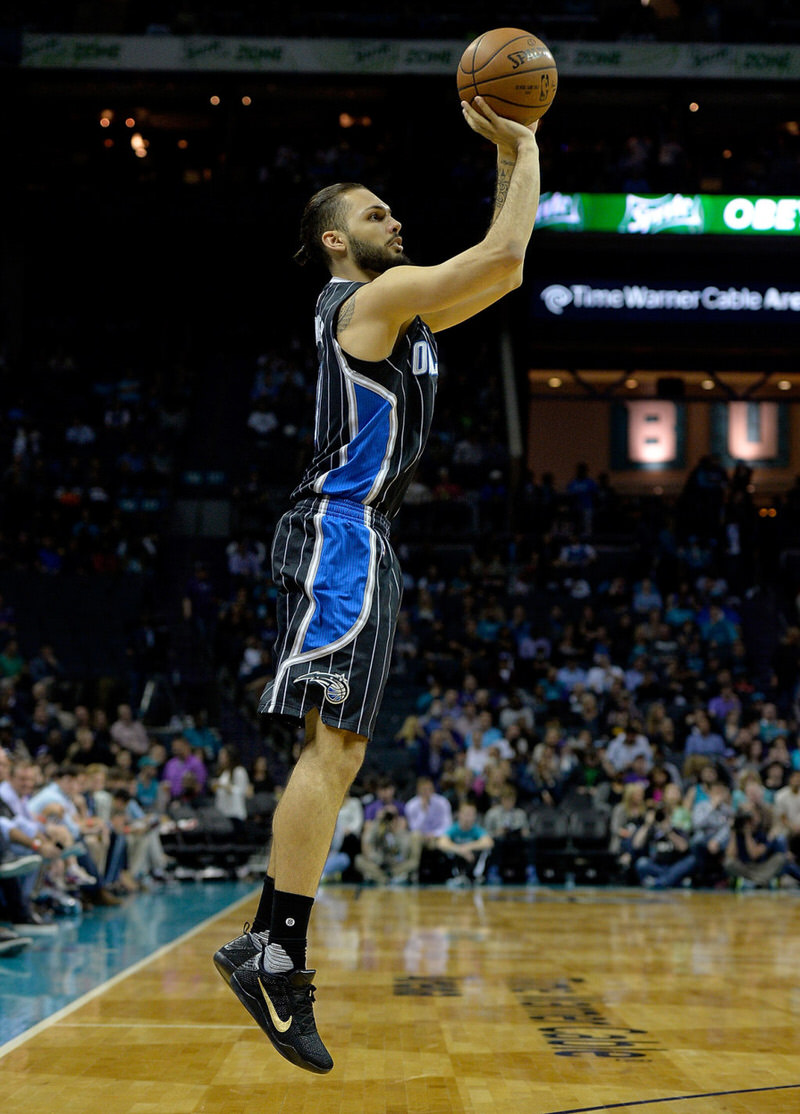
<point x="86" y="467"/>
<point x="539" y="685"/>
<point x="549" y="679"/>
<point x="95" y="809"/>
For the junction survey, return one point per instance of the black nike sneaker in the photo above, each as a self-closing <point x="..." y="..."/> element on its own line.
<point x="238" y="951"/>
<point x="282" y="1006"/>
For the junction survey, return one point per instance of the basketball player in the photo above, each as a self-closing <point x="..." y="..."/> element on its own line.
<point x="337" y="577"/>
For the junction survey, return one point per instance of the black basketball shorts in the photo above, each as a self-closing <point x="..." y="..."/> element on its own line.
<point x="339" y="592"/>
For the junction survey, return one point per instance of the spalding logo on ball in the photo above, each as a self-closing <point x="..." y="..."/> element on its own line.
<point x="512" y="70"/>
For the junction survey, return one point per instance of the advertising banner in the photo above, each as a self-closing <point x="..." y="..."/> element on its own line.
<point x="683" y="214"/>
<point x="609" y="299"/>
<point x="397" y="56"/>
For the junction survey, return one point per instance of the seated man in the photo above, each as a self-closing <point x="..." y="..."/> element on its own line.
<point x="467" y="846"/>
<point x="507" y="824"/>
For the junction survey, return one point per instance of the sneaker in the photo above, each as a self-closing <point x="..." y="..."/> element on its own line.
<point x="12" y="943"/>
<point x="213" y="874"/>
<point x="75" y="875"/>
<point x="15" y="866"/>
<point x="35" y="924"/>
<point x="282" y="1007"/>
<point x="59" y="904"/>
<point x="238" y="951"/>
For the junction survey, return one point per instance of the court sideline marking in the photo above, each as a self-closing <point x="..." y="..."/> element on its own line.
<point x="90" y="995"/>
<point x="677" y="1098"/>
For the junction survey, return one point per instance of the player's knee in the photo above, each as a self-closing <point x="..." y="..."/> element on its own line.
<point x="343" y="750"/>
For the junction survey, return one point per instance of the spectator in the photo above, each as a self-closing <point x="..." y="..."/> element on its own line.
<point x="146" y="785"/>
<point x="717" y="630"/>
<point x="129" y="733"/>
<point x="726" y="701"/>
<point x="231" y="785"/>
<point x="145" y="854"/>
<point x="665" y="839"/>
<point x="428" y="812"/>
<point x="582" y="491"/>
<point x="61" y="800"/>
<point x="202" y="736"/>
<point x="701" y="744"/>
<point x="385" y="796"/>
<point x="346" y="842"/>
<point x="87" y="750"/>
<point x="466" y="845"/>
<point x="185" y="774"/>
<point x="712" y="816"/>
<point x="646" y="597"/>
<point x="625" y="748"/>
<point x="12" y="662"/>
<point x="507" y="824"/>
<point x="786" y="812"/>
<point x="390" y="853"/>
<point x="627" y="816"/>
<point x="753" y="859"/>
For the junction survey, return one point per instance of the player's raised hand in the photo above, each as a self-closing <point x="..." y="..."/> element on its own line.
<point x="497" y="129"/>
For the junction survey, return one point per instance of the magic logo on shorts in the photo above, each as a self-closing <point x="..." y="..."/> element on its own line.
<point x="336" y="686"/>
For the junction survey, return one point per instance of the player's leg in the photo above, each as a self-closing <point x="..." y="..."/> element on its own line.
<point x="275" y="987"/>
<point x="303" y="825"/>
<point x="255" y="935"/>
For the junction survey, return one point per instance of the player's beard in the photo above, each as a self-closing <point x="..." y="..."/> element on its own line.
<point x="375" y="259"/>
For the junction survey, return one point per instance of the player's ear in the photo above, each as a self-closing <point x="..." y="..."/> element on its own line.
<point x="334" y="241"/>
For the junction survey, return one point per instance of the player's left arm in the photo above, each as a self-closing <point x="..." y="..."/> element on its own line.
<point x="454" y="315"/>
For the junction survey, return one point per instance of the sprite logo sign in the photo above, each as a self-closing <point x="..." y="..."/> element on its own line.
<point x="671" y="213"/>
<point x="560" y="210"/>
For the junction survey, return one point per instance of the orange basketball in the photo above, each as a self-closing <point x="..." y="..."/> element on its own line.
<point x="512" y="70"/>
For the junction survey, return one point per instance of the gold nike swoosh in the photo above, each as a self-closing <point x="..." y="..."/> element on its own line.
<point x="281" y="1026"/>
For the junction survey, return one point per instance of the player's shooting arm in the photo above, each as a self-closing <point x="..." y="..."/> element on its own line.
<point x="450" y="292"/>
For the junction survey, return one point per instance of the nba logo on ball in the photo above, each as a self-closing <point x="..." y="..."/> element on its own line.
<point x="512" y="70"/>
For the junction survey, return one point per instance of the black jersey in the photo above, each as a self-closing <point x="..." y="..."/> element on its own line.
<point x="372" y="418"/>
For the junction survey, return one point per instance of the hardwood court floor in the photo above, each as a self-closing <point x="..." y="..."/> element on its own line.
<point x="494" y="1001"/>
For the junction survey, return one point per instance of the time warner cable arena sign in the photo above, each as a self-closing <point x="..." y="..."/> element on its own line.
<point x="636" y="300"/>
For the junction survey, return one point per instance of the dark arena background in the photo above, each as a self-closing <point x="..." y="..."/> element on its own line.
<point x="601" y="553"/>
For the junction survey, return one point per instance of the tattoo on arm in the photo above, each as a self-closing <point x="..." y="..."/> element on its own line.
<point x="345" y="315"/>
<point x="505" y="168"/>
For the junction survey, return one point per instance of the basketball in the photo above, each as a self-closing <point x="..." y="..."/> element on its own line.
<point x="512" y="70"/>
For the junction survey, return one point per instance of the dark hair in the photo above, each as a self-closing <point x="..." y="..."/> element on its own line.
<point x="324" y="211"/>
<point x="233" y="756"/>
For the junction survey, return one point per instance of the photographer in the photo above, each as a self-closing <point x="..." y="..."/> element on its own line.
<point x="753" y="858"/>
<point x="389" y="851"/>
<point x="664" y="837"/>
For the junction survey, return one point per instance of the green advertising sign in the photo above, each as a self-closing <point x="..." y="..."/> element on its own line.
<point x="646" y="214"/>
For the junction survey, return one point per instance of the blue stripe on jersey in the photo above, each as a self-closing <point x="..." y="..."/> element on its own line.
<point x="340" y="582"/>
<point x="366" y="452"/>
